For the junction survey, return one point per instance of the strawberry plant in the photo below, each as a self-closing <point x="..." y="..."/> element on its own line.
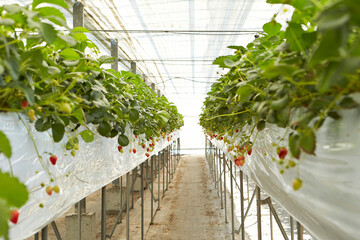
<point x="294" y="77"/>
<point x="56" y="80"/>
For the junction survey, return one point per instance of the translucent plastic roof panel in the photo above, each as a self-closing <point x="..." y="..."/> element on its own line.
<point x="174" y="42"/>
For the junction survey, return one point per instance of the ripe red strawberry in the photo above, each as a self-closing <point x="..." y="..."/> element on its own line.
<point x="249" y="151"/>
<point x="135" y="136"/>
<point x="120" y="148"/>
<point x="53" y="159"/>
<point x="134" y="150"/>
<point x="237" y="130"/>
<point x="49" y="190"/>
<point x="147" y="154"/>
<point x="282" y="153"/>
<point x="14" y="216"/>
<point x="143" y="145"/>
<point x="24" y="103"/>
<point x="147" y="149"/>
<point x="241" y="157"/>
<point x="56" y="189"/>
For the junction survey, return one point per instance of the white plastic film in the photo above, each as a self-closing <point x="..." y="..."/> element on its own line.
<point x="94" y="165"/>
<point x="328" y="203"/>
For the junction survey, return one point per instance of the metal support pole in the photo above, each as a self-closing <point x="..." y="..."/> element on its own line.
<point x="56" y="230"/>
<point x="44" y="233"/>
<point x="224" y="167"/>
<point x="167" y="168"/>
<point x="133" y="180"/>
<point x="153" y="87"/>
<point x="232" y="202"/>
<point x="133" y="67"/>
<point x="114" y="53"/>
<point x="300" y="231"/>
<point x="258" y="205"/>
<point x="292" y="227"/>
<point x="220" y="178"/>
<point x="215" y="169"/>
<point x="103" y="213"/>
<point x="242" y="205"/>
<point x="127" y="206"/>
<point x="271" y="226"/>
<point x="158" y="168"/>
<point x="121" y="198"/>
<point x="152" y="187"/>
<point x="78" y="15"/>
<point x="79" y="220"/>
<point x="163" y="163"/>
<point x="142" y="199"/>
<point x="36" y="236"/>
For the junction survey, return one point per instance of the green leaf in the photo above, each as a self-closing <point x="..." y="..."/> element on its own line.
<point x="52" y="14"/>
<point x="4" y="218"/>
<point x="69" y="54"/>
<point x="13" y="191"/>
<point x="48" y="32"/>
<point x="5" y="146"/>
<point x="79" y="114"/>
<point x="106" y="59"/>
<point x="134" y="115"/>
<point x="87" y="135"/>
<point x="42" y="125"/>
<point x="293" y="36"/>
<point x="261" y="125"/>
<point x="294" y="145"/>
<point x="68" y="39"/>
<point x="58" y="131"/>
<point x="104" y="128"/>
<point x="308" y="141"/>
<point x="333" y="18"/>
<point x="272" y="28"/>
<point x="280" y="103"/>
<point x="244" y="92"/>
<point x="80" y="29"/>
<point x="123" y="140"/>
<point x="279" y="70"/>
<point x="7" y="21"/>
<point x="12" y="66"/>
<point x="60" y="3"/>
<point x="348" y="102"/>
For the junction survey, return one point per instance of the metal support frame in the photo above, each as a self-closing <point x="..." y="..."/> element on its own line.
<point x="224" y="167"/>
<point x="44" y="233"/>
<point x="103" y="213"/>
<point x="56" y="230"/>
<point x="232" y="201"/>
<point x="142" y="198"/>
<point x="215" y="159"/>
<point x="78" y="14"/>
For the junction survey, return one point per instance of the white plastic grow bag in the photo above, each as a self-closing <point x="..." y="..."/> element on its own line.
<point x="328" y="203"/>
<point x="95" y="165"/>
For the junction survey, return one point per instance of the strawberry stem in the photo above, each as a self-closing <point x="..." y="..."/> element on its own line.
<point x="36" y="149"/>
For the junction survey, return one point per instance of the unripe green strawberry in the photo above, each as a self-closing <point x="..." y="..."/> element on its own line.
<point x="56" y="189"/>
<point x="31" y="114"/>
<point x="65" y="107"/>
<point x="297" y="184"/>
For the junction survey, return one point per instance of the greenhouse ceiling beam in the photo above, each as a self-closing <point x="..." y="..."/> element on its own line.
<point x="174" y="31"/>
<point x="167" y="60"/>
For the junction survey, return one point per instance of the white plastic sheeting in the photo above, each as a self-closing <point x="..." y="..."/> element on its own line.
<point x="328" y="203"/>
<point x="95" y="165"/>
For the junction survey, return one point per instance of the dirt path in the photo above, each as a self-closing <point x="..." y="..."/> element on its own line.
<point x="191" y="208"/>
